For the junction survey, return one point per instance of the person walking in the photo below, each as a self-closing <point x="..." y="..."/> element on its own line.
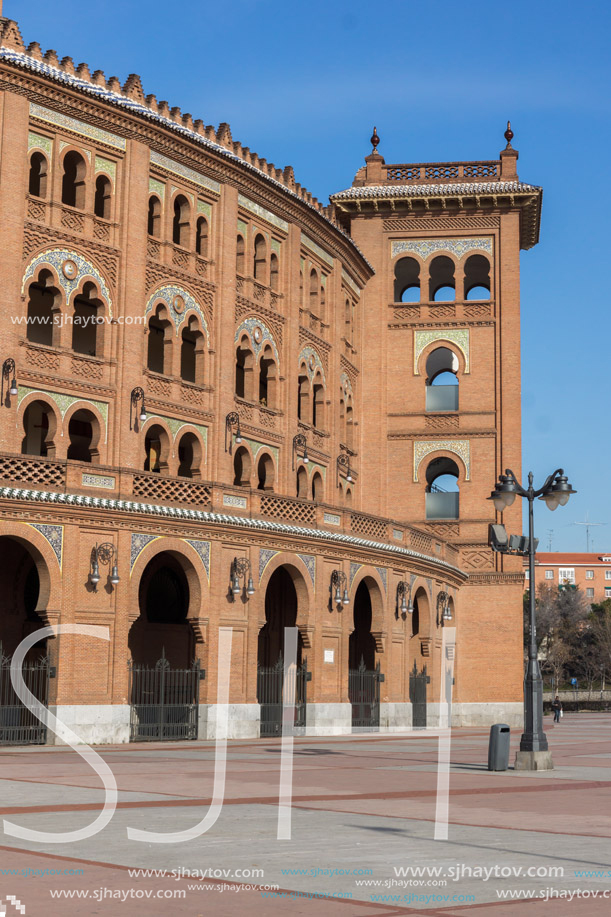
<point x="557" y="708"/>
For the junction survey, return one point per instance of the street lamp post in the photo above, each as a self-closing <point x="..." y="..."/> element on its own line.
<point x="534" y="753"/>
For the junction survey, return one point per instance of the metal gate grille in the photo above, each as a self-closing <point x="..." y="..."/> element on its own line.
<point x="164" y="702"/>
<point x="364" y="694"/>
<point x="417" y="695"/>
<point x="270" y="681"/>
<point x="18" y="725"/>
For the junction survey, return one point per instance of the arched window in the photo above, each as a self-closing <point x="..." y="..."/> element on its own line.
<point x="192" y="352"/>
<point x="322" y="301"/>
<point x="87" y="322"/>
<point x="442" y="382"/>
<point x="73" y="180"/>
<point x="260" y="259"/>
<point x="244" y="371"/>
<point x="240" y="262"/>
<point x="407" y="280"/>
<point x="349" y="424"/>
<point x="201" y="237"/>
<point x="39" y="168"/>
<point x="317" y="487"/>
<point x="441" y="280"/>
<point x="314" y="292"/>
<point x="181" y="224"/>
<point x="342" y="417"/>
<point x="103" y="192"/>
<point x="159" y="343"/>
<point x="265" y="473"/>
<point x="242" y="467"/>
<point x="318" y="403"/>
<point x="442" y="489"/>
<point x="83" y="432"/>
<point x="302" y="483"/>
<point x="348" y="496"/>
<point x="189" y="456"/>
<point x="303" y="396"/>
<point x="39" y="428"/>
<point x="43" y="307"/>
<point x="156" y="449"/>
<point x="273" y="271"/>
<point x="477" y="277"/>
<point x="154" y="217"/>
<point x="267" y="378"/>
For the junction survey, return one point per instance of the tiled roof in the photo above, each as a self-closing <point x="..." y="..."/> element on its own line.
<point x="371" y="192"/>
<point x="555" y="558"/>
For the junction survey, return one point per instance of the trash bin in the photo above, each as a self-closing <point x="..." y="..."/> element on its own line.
<point x="498" y="749"/>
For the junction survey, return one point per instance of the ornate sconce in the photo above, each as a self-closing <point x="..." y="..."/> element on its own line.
<point x="300" y="442"/>
<point x="136" y="398"/>
<point x="404" y="599"/>
<point x="239" y="567"/>
<point x="103" y="554"/>
<point x="444" y="612"/>
<point x="232" y="420"/>
<point x="8" y="372"/>
<point x="343" y="463"/>
<point x="339" y="581"/>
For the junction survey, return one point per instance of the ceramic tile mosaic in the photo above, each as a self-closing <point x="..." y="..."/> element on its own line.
<point x="383" y="574"/>
<point x="312" y="361"/>
<point x="350" y="282"/>
<point x="427" y="247"/>
<point x="54" y="534"/>
<point x="265" y="555"/>
<point x="106" y="165"/>
<point x="139" y="543"/>
<point x="157" y="187"/>
<point x="458" y="336"/>
<point x="316" y="249"/>
<point x="38" y="142"/>
<point x="64" y="402"/>
<point x="203" y="549"/>
<point x="310" y="562"/>
<point x="168" y="295"/>
<point x="77" y="127"/>
<point x="262" y="212"/>
<point x="259" y="335"/>
<point x="175" y="425"/>
<point x="204" y="207"/>
<point x="57" y="257"/>
<point x="177" y="168"/>
<point x="460" y="447"/>
<point x="354" y="569"/>
<point x="346" y="384"/>
<point x="256" y="446"/>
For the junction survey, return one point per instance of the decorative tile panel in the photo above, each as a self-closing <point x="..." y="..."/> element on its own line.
<point x="275" y="246"/>
<point x="54" y="534"/>
<point x="57" y="258"/>
<point x="176" y="425"/>
<point x="139" y="543"/>
<point x="242" y="227"/>
<point x="172" y="295"/>
<point x="332" y="519"/>
<point x="460" y="447"/>
<point x="316" y="249"/>
<point x="77" y="127"/>
<point x="64" y="143"/>
<point x="259" y="335"/>
<point x="310" y="562"/>
<point x="106" y="165"/>
<point x="203" y="549"/>
<point x="234" y="500"/>
<point x="313" y="363"/>
<point x="350" y="283"/>
<point x="354" y="569"/>
<point x="98" y="480"/>
<point x="383" y="575"/>
<point x="397" y="534"/>
<point x="457" y="336"/>
<point x="256" y="446"/>
<point x="265" y="555"/>
<point x="267" y="215"/>
<point x="63" y="402"/>
<point x="38" y="142"/>
<point x="205" y="208"/>
<point x="177" y="168"/>
<point x="157" y="187"/>
<point x="427" y="247"/>
<point x="346" y="384"/>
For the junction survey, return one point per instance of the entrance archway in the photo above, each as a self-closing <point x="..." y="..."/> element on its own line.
<point x="362" y="644"/>
<point x="363" y="674"/>
<point x="163" y="627"/>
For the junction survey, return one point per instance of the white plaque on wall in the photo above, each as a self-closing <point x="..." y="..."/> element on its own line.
<point x="231" y="500"/>
<point x="329" y="656"/>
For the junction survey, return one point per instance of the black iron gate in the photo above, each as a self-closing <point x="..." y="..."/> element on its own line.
<point x="364" y="694"/>
<point x="164" y="702"/>
<point x="18" y="725"/>
<point x="270" y="682"/>
<point x="417" y="695"/>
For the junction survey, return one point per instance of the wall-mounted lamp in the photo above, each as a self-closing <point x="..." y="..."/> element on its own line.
<point x="444" y="612"/>
<point x="339" y="581"/>
<point x="300" y="442"/>
<point x="8" y="372"/>
<point x="232" y="420"/>
<point x="343" y="462"/>
<point x="103" y="554"/>
<point x="239" y="567"/>
<point x="404" y="599"/>
<point x="136" y="398"/>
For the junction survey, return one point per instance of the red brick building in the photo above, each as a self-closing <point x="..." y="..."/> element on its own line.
<point x="591" y="572"/>
<point x="187" y="326"/>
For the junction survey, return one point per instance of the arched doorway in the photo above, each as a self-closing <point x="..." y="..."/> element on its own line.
<point x="363" y="674"/>
<point x="418" y="677"/>
<point x="21" y="614"/>
<point x="164" y="675"/>
<point x="281" y="604"/>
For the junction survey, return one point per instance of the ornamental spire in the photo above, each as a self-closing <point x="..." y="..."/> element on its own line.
<point x="374" y="140"/>
<point x="508" y="136"/>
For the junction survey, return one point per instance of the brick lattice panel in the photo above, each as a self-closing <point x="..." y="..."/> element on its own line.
<point x="421" y="542"/>
<point x="171" y="491"/>
<point x="288" y="510"/>
<point x="368" y="526"/>
<point x="32" y="472"/>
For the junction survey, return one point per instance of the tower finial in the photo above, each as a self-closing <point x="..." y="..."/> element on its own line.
<point x="508" y="136"/>
<point x="374" y="140"/>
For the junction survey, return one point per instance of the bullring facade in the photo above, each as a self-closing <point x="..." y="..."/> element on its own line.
<point x="234" y="406"/>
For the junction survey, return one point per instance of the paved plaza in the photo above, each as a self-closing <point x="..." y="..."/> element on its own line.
<point x="363" y="823"/>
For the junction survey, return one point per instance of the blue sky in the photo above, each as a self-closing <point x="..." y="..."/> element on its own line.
<point x="304" y="82"/>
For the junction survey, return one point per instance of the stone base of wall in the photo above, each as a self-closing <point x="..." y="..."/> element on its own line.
<point x="328" y="720"/>
<point x="488" y="714"/>
<point x="244" y="721"/>
<point x="395" y="717"/>
<point x="95" y="724"/>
